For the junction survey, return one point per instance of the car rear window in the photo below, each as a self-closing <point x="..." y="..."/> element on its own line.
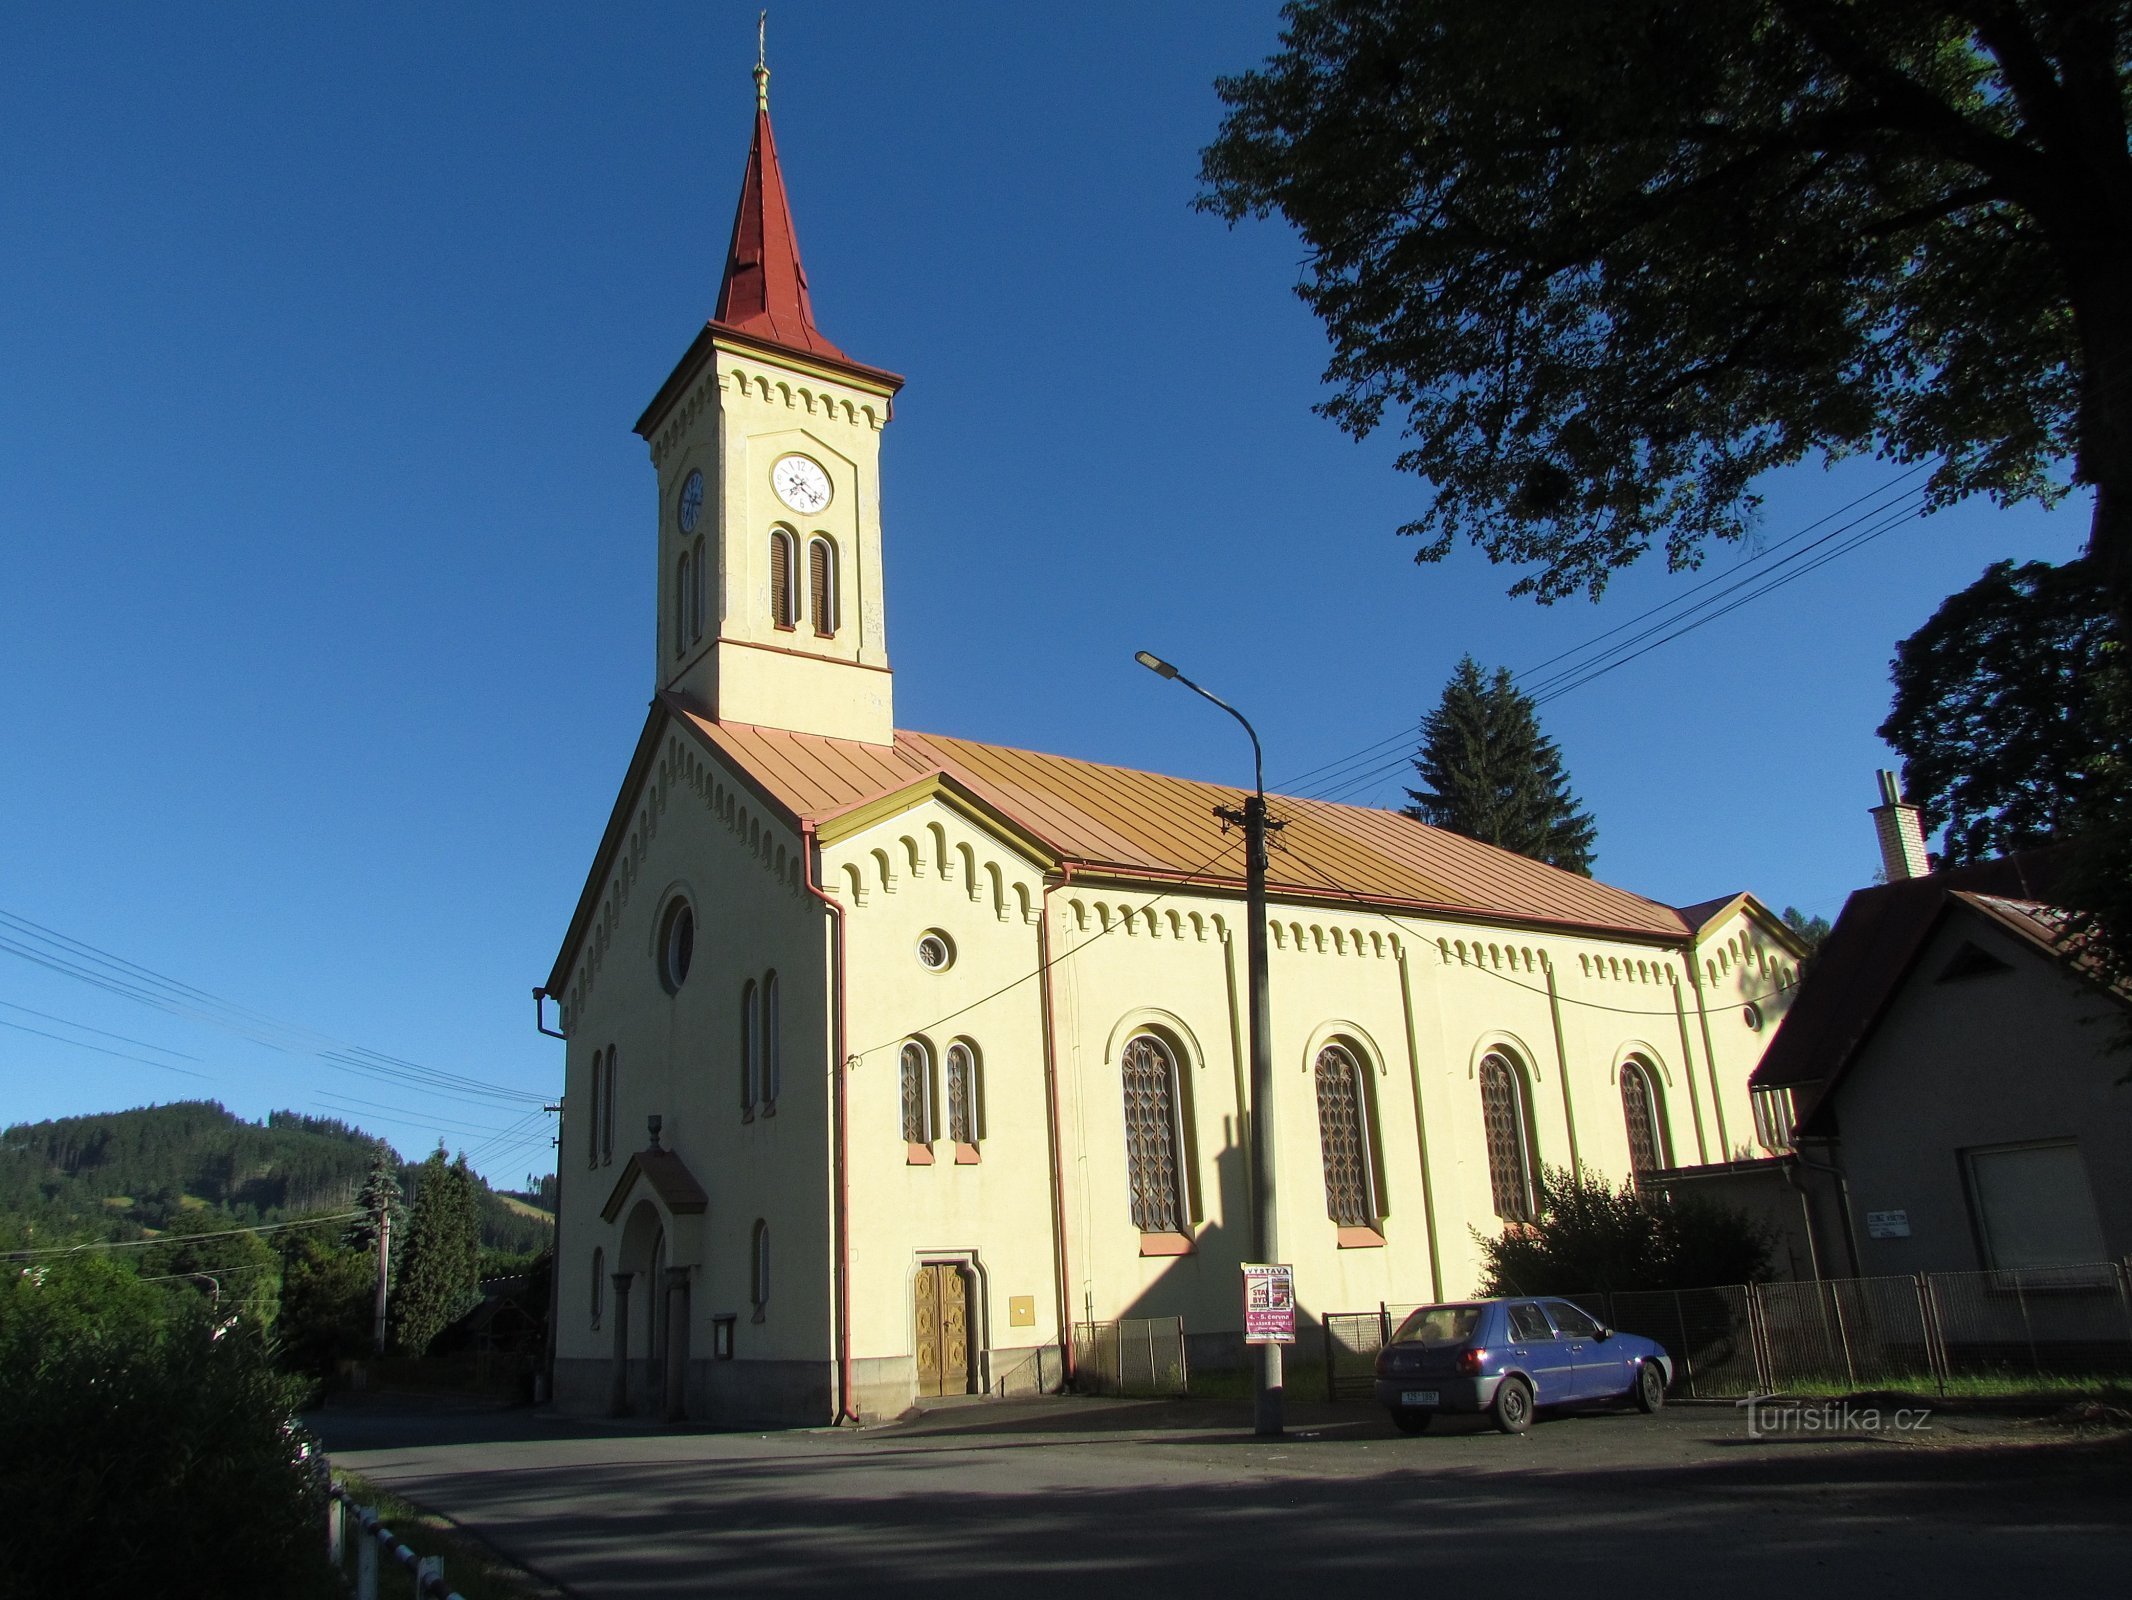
<point x="1574" y="1323"/>
<point x="1528" y="1321"/>
<point x="1438" y="1325"/>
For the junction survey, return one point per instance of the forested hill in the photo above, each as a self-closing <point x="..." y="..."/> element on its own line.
<point x="177" y="1168"/>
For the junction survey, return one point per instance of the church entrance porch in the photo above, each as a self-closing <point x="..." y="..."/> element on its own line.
<point x="942" y="1297"/>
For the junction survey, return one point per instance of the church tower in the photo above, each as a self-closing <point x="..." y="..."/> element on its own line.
<point x="766" y="439"/>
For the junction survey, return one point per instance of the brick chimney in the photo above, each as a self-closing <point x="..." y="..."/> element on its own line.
<point x="1902" y="835"/>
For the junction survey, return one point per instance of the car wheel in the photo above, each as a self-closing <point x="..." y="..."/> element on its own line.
<point x="1512" y="1410"/>
<point x="1409" y="1420"/>
<point x="1650" y="1387"/>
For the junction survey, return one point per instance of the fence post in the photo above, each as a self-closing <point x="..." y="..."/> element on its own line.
<point x="1384" y="1324"/>
<point x="1929" y="1320"/>
<point x="1843" y="1333"/>
<point x="1184" y="1361"/>
<point x="1759" y="1344"/>
<point x="1687" y="1362"/>
<point x="429" y="1577"/>
<point x="2028" y="1329"/>
<point x="335" y="1526"/>
<point x="1332" y="1377"/>
<point x="366" y="1558"/>
<point x="1154" y="1383"/>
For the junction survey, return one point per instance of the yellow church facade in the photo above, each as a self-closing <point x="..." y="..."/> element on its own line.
<point x="892" y="1057"/>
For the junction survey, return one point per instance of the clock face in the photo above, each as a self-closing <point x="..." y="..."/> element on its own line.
<point x="691" y="501"/>
<point x="800" y="483"/>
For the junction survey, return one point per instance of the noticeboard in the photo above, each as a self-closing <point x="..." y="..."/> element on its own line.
<point x="1269" y="1304"/>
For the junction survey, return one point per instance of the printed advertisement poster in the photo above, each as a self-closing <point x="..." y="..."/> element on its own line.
<point x="1269" y="1304"/>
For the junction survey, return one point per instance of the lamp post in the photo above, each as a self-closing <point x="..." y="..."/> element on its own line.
<point x="1266" y="1385"/>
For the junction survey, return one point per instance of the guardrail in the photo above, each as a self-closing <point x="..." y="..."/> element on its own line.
<point x="371" y="1541"/>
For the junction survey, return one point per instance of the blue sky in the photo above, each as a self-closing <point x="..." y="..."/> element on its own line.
<point x="326" y="624"/>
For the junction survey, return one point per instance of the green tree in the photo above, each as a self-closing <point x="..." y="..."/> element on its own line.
<point x="1813" y="931"/>
<point x="437" y="1280"/>
<point x="1591" y="1238"/>
<point x="328" y="1297"/>
<point x="146" y="1445"/>
<point x="1490" y="774"/>
<point x="1994" y="714"/>
<point x="1607" y="261"/>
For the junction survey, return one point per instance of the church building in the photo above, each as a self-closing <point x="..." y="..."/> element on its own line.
<point x="892" y="1057"/>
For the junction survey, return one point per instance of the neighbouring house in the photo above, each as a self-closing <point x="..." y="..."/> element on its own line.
<point x="1955" y="1073"/>
<point x="893" y="1056"/>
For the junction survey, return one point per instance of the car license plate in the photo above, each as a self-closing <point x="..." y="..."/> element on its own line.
<point x="1418" y="1397"/>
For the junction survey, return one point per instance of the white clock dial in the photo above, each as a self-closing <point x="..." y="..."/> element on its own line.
<point x="800" y="483"/>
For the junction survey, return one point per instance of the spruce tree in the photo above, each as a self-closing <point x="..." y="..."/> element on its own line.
<point x="437" y="1278"/>
<point x="380" y="1193"/>
<point x="1490" y="774"/>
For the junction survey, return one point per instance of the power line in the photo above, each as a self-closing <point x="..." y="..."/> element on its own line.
<point x="82" y="1044"/>
<point x="83" y="1027"/>
<point x="179" y="1238"/>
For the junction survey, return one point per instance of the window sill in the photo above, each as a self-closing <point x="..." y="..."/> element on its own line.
<point x="1361" y="1239"/>
<point x="1166" y="1244"/>
<point x="966" y="1155"/>
<point x="785" y="627"/>
<point x="917" y="1155"/>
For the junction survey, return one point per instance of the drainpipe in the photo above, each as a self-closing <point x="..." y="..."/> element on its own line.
<point x="1843" y="1202"/>
<point x="840" y="1085"/>
<point x="1068" y="1368"/>
<point x="1806" y="1215"/>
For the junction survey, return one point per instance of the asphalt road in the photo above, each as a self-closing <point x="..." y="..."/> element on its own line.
<point x="1096" y="1498"/>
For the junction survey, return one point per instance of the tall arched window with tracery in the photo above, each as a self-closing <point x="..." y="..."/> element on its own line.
<point x="684" y="578"/>
<point x="607" y="1109"/>
<point x="593" y="1099"/>
<point x="695" y="594"/>
<point x="784" y="595"/>
<point x="1509" y="1150"/>
<point x="1154" y="1136"/>
<point x="1640" y="1111"/>
<point x="773" y="1065"/>
<point x="962" y="1093"/>
<point x="915" y="1085"/>
<point x="822" y="586"/>
<point x="1344" y="1136"/>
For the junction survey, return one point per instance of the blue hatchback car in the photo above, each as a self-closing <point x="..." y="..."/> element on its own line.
<point x="1506" y="1357"/>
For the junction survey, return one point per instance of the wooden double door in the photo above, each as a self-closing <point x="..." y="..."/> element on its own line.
<point x="943" y="1333"/>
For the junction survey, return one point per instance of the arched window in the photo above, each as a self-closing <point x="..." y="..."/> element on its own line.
<point x="677" y="944"/>
<point x="784" y="598"/>
<point x="759" y="1275"/>
<point x="1639" y="1109"/>
<point x="750" y="1047"/>
<point x="1154" y="1136"/>
<point x="599" y="1285"/>
<point x="595" y="1107"/>
<point x="695" y="596"/>
<point x="1509" y="1150"/>
<point x="773" y="1070"/>
<point x="684" y="576"/>
<point x="962" y="1093"/>
<point x="915" y="1080"/>
<point x="607" y="1111"/>
<point x="822" y="586"/>
<point x="1344" y="1133"/>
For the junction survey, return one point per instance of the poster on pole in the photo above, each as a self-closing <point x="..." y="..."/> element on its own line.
<point x="1269" y="1304"/>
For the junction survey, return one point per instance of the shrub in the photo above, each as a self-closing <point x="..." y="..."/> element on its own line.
<point x="147" y="1447"/>
<point x="1591" y="1238"/>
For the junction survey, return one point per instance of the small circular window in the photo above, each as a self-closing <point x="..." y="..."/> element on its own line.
<point x="1751" y="1014"/>
<point x="935" y="954"/>
<point x="677" y="945"/>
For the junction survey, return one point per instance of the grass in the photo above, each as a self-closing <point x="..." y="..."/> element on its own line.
<point x="470" y="1566"/>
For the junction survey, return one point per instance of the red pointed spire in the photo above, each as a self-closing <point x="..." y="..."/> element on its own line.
<point x="765" y="287"/>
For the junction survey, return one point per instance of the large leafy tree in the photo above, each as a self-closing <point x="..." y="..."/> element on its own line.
<point x="1489" y="773"/>
<point x="1606" y="261"/>
<point x="1994" y="714"/>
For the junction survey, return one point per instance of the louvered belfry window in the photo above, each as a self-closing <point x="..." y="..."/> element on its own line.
<point x="917" y="1088"/>
<point x="1151" y="1136"/>
<point x="962" y="1093"/>
<point x="781" y="592"/>
<point x="1639" y="1108"/>
<point x="1503" y="1118"/>
<point x="1343" y="1131"/>
<point x="821" y="587"/>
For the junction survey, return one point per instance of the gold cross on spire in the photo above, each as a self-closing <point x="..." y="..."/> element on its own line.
<point x="762" y="72"/>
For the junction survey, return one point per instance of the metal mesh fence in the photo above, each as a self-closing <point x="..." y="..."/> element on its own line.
<point x="1132" y="1356"/>
<point x="1942" y="1332"/>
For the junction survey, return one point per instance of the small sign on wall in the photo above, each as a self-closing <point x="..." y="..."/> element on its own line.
<point x="1269" y="1304"/>
<point x="1887" y="1224"/>
<point x="1021" y="1310"/>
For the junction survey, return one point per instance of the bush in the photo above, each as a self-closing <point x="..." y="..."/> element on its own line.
<point x="146" y="1446"/>
<point x="1590" y="1238"/>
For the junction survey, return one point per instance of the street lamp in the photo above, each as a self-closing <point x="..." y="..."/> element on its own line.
<point x="1266" y="1385"/>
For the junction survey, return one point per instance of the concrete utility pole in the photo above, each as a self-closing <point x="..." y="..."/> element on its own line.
<point x="377" y="1320"/>
<point x="1265" y="1238"/>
